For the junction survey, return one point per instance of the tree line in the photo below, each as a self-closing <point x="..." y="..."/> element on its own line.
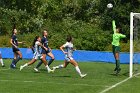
<point x="88" y="21"/>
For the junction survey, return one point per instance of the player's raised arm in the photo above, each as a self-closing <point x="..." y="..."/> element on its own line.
<point x="114" y="26"/>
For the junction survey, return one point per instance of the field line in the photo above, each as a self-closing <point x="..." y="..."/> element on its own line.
<point x="86" y="85"/>
<point x="4" y="69"/>
<point x="117" y="84"/>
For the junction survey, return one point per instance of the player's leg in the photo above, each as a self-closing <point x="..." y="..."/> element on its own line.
<point x="43" y="59"/>
<point x="61" y="66"/>
<point x="74" y="63"/>
<point x="113" y="50"/>
<point x="13" y="61"/>
<point x="117" y="62"/>
<point x="19" y="57"/>
<point x="27" y="64"/>
<point x="117" y="51"/>
<point x="1" y="60"/>
<point x="50" y="54"/>
<point x="39" y="64"/>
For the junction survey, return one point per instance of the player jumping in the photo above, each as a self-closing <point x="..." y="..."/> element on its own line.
<point x="116" y="45"/>
<point x="68" y="57"/>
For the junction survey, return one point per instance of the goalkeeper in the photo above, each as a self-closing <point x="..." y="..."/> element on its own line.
<point x="116" y="45"/>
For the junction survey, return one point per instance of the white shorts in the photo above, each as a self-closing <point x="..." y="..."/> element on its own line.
<point x="37" y="56"/>
<point x="68" y="58"/>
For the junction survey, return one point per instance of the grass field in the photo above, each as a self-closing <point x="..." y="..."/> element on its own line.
<point x="100" y="77"/>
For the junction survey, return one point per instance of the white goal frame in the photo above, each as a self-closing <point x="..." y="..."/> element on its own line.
<point x="131" y="42"/>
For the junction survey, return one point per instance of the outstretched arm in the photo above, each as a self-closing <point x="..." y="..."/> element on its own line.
<point x="114" y="26"/>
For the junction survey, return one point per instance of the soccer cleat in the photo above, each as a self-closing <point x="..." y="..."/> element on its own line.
<point x="83" y="75"/>
<point x="12" y="66"/>
<point x="54" y="68"/>
<point x="3" y="65"/>
<point x="50" y="71"/>
<point x="118" y="71"/>
<point x="36" y="70"/>
<point x="21" y="67"/>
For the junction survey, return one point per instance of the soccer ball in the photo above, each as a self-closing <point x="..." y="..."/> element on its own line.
<point x="109" y="5"/>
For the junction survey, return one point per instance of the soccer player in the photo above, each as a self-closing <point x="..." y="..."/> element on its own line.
<point x="1" y="61"/>
<point x="48" y="52"/>
<point x="69" y="57"/>
<point x="17" y="54"/>
<point x="37" y="54"/>
<point x="116" y="45"/>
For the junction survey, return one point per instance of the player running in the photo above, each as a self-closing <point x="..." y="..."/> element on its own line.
<point x="1" y="60"/>
<point x="37" y="54"/>
<point x="69" y="57"/>
<point x="17" y="54"/>
<point x="116" y="45"/>
<point x="48" y="52"/>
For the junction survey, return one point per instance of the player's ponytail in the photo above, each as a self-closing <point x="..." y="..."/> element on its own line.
<point x="35" y="39"/>
<point x="14" y="27"/>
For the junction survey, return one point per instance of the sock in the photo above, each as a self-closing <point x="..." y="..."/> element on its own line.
<point x="51" y="60"/>
<point x="78" y="70"/>
<point x="48" y="68"/>
<point x="60" y="66"/>
<point x="17" y="60"/>
<point x="118" y="64"/>
<point x="1" y="62"/>
<point x="25" y="65"/>
<point x="39" y="64"/>
<point x="13" y="63"/>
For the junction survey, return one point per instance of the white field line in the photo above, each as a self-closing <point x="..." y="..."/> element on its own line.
<point x="4" y="69"/>
<point x="86" y="85"/>
<point x="117" y="84"/>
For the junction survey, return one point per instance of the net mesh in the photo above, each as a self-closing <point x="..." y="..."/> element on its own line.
<point x="136" y="43"/>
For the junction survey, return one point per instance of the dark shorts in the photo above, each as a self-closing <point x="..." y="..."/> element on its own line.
<point x="15" y="49"/>
<point x="45" y="52"/>
<point x="116" y="49"/>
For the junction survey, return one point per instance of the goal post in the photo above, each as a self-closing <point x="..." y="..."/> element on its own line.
<point x="134" y="41"/>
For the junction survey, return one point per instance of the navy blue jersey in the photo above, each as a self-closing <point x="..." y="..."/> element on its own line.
<point x="14" y="40"/>
<point x="45" y="41"/>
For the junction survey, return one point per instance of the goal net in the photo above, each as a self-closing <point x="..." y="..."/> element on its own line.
<point x="134" y="43"/>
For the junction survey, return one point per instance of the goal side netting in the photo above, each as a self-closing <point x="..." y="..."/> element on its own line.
<point x="134" y="43"/>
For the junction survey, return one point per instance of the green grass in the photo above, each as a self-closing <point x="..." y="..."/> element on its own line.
<point x="66" y="80"/>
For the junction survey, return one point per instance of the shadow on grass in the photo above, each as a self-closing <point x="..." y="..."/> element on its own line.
<point x="126" y="74"/>
<point x="61" y="76"/>
<point x="113" y="74"/>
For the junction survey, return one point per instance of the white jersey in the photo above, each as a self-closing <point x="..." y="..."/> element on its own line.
<point x="38" y="50"/>
<point x="69" y="49"/>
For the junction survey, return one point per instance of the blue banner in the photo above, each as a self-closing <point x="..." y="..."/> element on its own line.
<point x="79" y="55"/>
